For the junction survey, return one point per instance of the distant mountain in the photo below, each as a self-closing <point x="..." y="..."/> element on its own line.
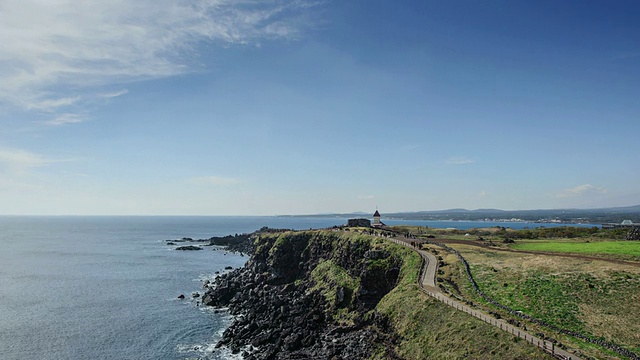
<point x="601" y="215"/>
<point x="595" y="216"/>
<point x="630" y="209"/>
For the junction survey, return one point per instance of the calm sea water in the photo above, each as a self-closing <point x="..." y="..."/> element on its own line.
<point x="107" y="287"/>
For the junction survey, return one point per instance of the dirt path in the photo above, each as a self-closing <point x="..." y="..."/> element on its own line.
<point x="429" y="268"/>
<point x="546" y="253"/>
<point x="428" y="286"/>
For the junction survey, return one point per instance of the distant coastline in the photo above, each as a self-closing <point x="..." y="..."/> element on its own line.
<point x="543" y="216"/>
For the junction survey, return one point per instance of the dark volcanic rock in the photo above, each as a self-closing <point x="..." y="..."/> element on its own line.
<point x="284" y="315"/>
<point x="633" y="234"/>
<point x="188" y="247"/>
<point x="241" y="243"/>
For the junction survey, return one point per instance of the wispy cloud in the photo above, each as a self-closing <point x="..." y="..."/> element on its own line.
<point x="64" y="119"/>
<point x="55" y="50"/>
<point x="483" y="194"/>
<point x="626" y="55"/>
<point x="214" y="181"/>
<point x="114" y="94"/>
<point x="459" y="161"/>
<point x="15" y="163"/>
<point x="581" y="190"/>
<point x="49" y="105"/>
<point x="409" y="147"/>
<point x="366" y="197"/>
<point x="21" y="159"/>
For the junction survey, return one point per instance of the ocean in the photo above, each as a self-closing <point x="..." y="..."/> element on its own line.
<point x="75" y="287"/>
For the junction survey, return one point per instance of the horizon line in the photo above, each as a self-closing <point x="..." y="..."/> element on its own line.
<point x="328" y="213"/>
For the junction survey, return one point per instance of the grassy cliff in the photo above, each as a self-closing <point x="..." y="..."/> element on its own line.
<point x="429" y="329"/>
<point x="586" y="285"/>
<point x="362" y="277"/>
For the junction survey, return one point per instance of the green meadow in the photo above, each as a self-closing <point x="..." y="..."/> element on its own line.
<point x="625" y="248"/>
<point x="598" y="298"/>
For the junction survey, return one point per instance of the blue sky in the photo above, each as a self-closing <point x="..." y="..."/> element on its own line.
<point x="220" y="107"/>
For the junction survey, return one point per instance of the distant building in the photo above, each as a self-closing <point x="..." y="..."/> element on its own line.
<point x="624" y="224"/>
<point x="376" y="220"/>
<point x="359" y="223"/>
<point x="366" y="222"/>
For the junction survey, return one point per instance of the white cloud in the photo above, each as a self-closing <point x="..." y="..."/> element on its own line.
<point x="113" y="94"/>
<point x="64" y="119"/>
<point x="214" y="181"/>
<point x="626" y="55"/>
<point x="18" y="161"/>
<point x="53" y="50"/>
<point x="581" y="190"/>
<point x="52" y="104"/>
<point x="16" y="165"/>
<point x="16" y="158"/>
<point x="459" y="161"/>
<point x="409" y="147"/>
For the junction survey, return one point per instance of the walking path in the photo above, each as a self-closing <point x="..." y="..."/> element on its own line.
<point x="428" y="286"/>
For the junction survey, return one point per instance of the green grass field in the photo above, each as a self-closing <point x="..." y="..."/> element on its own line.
<point x="429" y="329"/>
<point x="596" y="298"/>
<point x="628" y="248"/>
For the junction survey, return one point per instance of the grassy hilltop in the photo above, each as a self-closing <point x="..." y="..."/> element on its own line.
<point x="430" y="329"/>
<point x="422" y="326"/>
<point x="582" y="280"/>
<point x="361" y="294"/>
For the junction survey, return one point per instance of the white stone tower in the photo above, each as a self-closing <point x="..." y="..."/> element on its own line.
<point x="376" y="219"/>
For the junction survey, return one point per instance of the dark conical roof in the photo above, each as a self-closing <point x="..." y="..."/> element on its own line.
<point x="376" y="214"/>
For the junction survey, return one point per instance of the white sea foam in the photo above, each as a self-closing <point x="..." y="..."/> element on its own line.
<point x="209" y="351"/>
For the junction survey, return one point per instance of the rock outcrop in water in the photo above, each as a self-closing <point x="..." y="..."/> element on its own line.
<point x="308" y="295"/>
<point x="188" y="248"/>
<point x="238" y="242"/>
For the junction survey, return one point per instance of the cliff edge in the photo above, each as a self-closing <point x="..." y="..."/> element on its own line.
<point x="309" y="294"/>
<point x="343" y="295"/>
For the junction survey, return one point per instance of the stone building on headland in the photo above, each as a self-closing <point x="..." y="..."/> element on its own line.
<point x="366" y="222"/>
<point x="376" y="219"/>
<point x="359" y="223"/>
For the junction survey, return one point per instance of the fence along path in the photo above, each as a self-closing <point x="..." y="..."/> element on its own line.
<point x="426" y="281"/>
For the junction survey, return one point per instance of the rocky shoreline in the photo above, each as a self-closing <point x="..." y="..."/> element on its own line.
<point x="296" y="299"/>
